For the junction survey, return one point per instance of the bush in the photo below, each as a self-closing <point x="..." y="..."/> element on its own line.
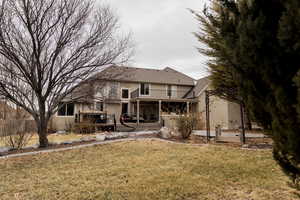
<point x="17" y="133"/>
<point x="186" y="124"/>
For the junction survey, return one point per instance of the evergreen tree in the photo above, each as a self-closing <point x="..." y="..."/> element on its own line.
<point x="257" y="43"/>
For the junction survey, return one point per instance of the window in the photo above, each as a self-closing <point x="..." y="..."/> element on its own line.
<point x="113" y="90"/>
<point x="66" y="109"/>
<point x="125" y="94"/>
<point x="145" y="88"/>
<point x="169" y="90"/>
<point x="99" y="106"/>
<point x="124" y="108"/>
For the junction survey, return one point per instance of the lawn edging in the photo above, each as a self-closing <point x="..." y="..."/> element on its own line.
<point x="93" y="144"/>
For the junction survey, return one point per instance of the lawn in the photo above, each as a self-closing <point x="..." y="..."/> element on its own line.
<point x="145" y="170"/>
<point x="53" y="138"/>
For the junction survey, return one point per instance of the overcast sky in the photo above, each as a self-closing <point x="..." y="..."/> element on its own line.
<point x="162" y="31"/>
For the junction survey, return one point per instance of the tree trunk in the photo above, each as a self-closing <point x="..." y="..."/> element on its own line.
<point x="42" y="132"/>
<point x="242" y="134"/>
<point x="42" y="123"/>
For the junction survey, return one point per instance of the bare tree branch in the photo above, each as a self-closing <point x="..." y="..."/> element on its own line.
<point x="48" y="47"/>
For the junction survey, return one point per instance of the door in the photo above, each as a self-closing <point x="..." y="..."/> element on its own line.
<point x="124" y="108"/>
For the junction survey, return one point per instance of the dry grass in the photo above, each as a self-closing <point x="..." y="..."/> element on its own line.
<point x="52" y="138"/>
<point x="145" y="170"/>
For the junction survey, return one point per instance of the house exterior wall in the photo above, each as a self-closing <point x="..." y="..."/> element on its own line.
<point x="114" y="109"/>
<point x="157" y="91"/>
<point x="60" y="123"/>
<point x="234" y="115"/>
<point x="218" y="111"/>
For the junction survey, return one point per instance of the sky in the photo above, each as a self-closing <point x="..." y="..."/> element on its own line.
<point x="162" y="33"/>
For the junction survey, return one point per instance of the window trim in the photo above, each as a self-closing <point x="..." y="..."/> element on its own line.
<point x="128" y="93"/>
<point x="174" y="90"/>
<point x="167" y="90"/>
<point x="95" y="106"/>
<point x="140" y="86"/>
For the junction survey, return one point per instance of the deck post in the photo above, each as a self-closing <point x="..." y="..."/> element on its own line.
<point x="159" y="111"/>
<point x="138" y="111"/>
<point x="207" y="116"/>
<point x="187" y="108"/>
<point x="242" y="134"/>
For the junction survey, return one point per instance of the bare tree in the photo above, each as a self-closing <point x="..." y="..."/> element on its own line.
<point x="48" y="47"/>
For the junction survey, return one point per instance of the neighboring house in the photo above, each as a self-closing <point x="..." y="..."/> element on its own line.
<point x="148" y="94"/>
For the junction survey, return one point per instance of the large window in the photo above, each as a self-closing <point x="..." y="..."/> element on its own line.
<point x="145" y="88"/>
<point x="125" y="94"/>
<point x="66" y="109"/>
<point x="113" y="90"/>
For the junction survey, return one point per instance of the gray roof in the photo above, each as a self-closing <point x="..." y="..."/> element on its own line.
<point x="132" y="74"/>
<point x="200" y="86"/>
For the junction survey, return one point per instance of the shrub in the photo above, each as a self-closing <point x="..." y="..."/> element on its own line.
<point x="17" y="133"/>
<point x="186" y="124"/>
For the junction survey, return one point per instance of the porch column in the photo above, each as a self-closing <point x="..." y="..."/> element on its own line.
<point x="159" y="111"/>
<point x="138" y="111"/>
<point x="187" y="107"/>
<point x="129" y="108"/>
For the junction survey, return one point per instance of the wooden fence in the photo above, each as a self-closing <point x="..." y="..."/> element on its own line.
<point x="12" y="127"/>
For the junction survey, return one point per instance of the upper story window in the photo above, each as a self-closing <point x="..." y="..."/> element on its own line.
<point x="171" y="90"/>
<point x="66" y="109"/>
<point x="125" y="93"/>
<point x="99" y="106"/>
<point x="113" y="88"/>
<point x="145" y="88"/>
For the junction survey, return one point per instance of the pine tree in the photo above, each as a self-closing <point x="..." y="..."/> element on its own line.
<point x="257" y="44"/>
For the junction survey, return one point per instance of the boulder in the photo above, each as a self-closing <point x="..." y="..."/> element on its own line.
<point x="4" y="149"/>
<point x="165" y="132"/>
<point x="87" y="138"/>
<point x="100" y="137"/>
<point x="61" y="132"/>
<point x="175" y="132"/>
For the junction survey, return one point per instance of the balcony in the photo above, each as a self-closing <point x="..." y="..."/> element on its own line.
<point x="159" y="94"/>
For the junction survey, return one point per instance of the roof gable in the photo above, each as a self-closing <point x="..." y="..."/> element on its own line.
<point x="200" y="86"/>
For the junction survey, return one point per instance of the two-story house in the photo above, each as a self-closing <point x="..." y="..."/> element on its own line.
<point x="147" y="94"/>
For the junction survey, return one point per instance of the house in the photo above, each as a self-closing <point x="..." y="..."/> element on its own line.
<point x="222" y="112"/>
<point x="148" y="94"/>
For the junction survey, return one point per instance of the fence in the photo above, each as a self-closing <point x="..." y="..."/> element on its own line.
<point x="12" y="127"/>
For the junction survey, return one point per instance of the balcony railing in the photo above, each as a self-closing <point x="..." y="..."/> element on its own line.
<point x="159" y="94"/>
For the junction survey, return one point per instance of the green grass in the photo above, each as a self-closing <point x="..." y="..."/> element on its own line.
<point x="145" y="170"/>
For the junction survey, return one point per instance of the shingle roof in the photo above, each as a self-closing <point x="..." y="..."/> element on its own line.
<point x="200" y="86"/>
<point x="132" y="74"/>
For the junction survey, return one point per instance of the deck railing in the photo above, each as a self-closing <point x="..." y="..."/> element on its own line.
<point x="159" y="94"/>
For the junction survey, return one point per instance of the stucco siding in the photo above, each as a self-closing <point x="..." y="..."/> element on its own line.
<point x="114" y="109"/>
<point x="218" y="111"/>
<point x="234" y="116"/>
